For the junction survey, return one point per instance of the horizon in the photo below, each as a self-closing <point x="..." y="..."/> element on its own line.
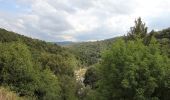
<point x="81" y="21"/>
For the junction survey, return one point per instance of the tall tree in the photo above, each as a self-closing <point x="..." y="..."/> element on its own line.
<point x="133" y="71"/>
<point x="137" y="31"/>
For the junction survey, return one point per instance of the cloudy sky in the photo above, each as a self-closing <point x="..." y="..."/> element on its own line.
<point x="81" y="20"/>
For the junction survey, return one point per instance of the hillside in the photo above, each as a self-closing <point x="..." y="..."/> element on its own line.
<point x="65" y="43"/>
<point x="134" y="66"/>
<point x="35" y="68"/>
<point x="89" y="53"/>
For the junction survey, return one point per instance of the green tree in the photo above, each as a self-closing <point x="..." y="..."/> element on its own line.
<point x="17" y="68"/>
<point x="133" y="71"/>
<point x="21" y="74"/>
<point x="48" y="86"/>
<point x="68" y="86"/>
<point x="138" y="31"/>
<point x="91" y="77"/>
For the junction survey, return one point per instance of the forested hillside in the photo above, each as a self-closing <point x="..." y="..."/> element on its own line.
<point x="36" y="69"/>
<point x="136" y="67"/>
<point x="89" y="53"/>
<point x="131" y="67"/>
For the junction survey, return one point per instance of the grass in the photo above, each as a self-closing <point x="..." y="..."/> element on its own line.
<point x="6" y="94"/>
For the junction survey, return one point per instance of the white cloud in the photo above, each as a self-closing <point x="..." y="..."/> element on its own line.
<point x="76" y="20"/>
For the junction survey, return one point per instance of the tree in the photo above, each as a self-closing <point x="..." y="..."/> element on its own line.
<point x="35" y="68"/>
<point x="48" y="86"/>
<point x="133" y="71"/>
<point x="68" y="86"/>
<point x="91" y="77"/>
<point x="22" y="75"/>
<point x="17" y="68"/>
<point x="138" y="31"/>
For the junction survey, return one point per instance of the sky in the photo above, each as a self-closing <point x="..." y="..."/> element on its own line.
<point x="81" y="20"/>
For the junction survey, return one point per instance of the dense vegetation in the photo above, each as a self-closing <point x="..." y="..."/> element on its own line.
<point x="89" y="53"/>
<point x="36" y="69"/>
<point x="133" y="67"/>
<point x="136" y="67"/>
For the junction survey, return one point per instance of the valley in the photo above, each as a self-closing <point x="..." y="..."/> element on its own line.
<point x="132" y="67"/>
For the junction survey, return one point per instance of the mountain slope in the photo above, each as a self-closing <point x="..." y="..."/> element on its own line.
<point x="89" y="53"/>
<point x="35" y="68"/>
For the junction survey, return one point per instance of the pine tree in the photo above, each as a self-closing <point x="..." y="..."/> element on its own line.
<point x="138" y="31"/>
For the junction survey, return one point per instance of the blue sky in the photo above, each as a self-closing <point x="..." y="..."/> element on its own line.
<point x="11" y="6"/>
<point x="8" y="6"/>
<point x="81" y="20"/>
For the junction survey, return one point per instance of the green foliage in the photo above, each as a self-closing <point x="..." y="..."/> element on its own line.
<point x="91" y="77"/>
<point x="17" y="68"/>
<point x="133" y="71"/>
<point x="164" y="39"/>
<point x="36" y="69"/>
<point x="68" y="86"/>
<point x="92" y="95"/>
<point x="48" y="86"/>
<point x="138" y="31"/>
<point x="59" y="64"/>
<point x="89" y="53"/>
<point x="20" y="73"/>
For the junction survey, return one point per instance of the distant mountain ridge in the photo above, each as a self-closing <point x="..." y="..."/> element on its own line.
<point x="65" y="43"/>
<point x="89" y="53"/>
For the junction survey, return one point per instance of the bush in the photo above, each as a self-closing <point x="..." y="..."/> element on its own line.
<point x="17" y="68"/>
<point x="133" y="71"/>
